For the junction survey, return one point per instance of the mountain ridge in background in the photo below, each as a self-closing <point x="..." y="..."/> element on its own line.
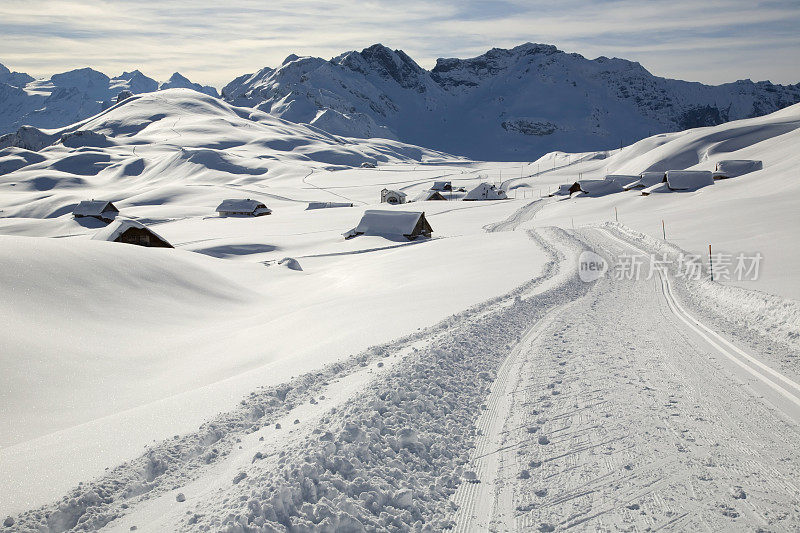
<point x="71" y="96"/>
<point x="506" y="104"/>
<point x="513" y="104"/>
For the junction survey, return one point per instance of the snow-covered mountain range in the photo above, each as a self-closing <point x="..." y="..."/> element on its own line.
<point x="503" y="105"/>
<point x="512" y="104"/>
<point x="71" y="96"/>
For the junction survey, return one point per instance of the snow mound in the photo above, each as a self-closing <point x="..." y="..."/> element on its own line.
<point x="290" y="263"/>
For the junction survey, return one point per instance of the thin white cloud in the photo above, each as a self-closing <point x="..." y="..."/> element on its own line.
<point x="212" y="42"/>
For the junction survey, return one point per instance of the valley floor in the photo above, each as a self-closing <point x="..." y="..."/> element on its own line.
<point x="471" y="381"/>
<point x="563" y="405"/>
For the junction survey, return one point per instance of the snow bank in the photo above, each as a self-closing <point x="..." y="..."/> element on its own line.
<point x="768" y="316"/>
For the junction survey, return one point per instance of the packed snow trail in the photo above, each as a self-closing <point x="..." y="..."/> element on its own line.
<point x="622" y="417"/>
<point x="378" y="441"/>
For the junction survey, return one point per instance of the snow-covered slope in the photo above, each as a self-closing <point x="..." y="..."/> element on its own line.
<point x="752" y="213"/>
<point x="503" y="105"/>
<point x="184" y="388"/>
<point x="71" y="96"/>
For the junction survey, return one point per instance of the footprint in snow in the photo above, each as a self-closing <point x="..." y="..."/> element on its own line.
<point x="738" y="493"/>
<point x="543" y="440"/>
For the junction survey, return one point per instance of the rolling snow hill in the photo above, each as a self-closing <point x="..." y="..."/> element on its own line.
<point x="182" y="388"/>
<point x="505" y="105"/>
<point x="71" y="96"/>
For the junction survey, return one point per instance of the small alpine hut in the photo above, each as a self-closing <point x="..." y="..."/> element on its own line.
<point x="389" y="196"/>
<point x="242" y="207"/>
<point x="566" y="189"/>
<point x="327" y="205"/>
<point x="731" y="168"/>
<point x="442" y="186"/>
<point x="688" y="180"/>
<point x="426" y="196"/>
<point x="409" y="224"/>
<point x="646" y="179"/>
<point x="99" y="209"/>
<point x="596" y="187"/>
<point x="485" y="191"/>
<point x="622" y="180"/>
<point x="131" y="232"/>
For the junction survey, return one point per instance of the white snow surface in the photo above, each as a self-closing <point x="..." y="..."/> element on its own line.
<point x="276" y="375"/>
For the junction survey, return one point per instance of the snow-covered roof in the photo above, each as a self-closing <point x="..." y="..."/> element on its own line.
<point x="386" y="222"/>
<point x="647" y="179"/>
<point x="93" y="208"/>
<point x="599" y="187"/>
<point x="730" y="168"/>
<point x="486" y="191"/>
<point x="442" y="186"/>
<point x="237" y="205"/>
<point x="688" y="180"/>
<point x="327" y="205"/>
<point x="428" y="195"/>
<point x="621" y="179"/>
<point x="118" y="227"/>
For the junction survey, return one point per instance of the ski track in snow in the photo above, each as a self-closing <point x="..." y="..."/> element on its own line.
<point x="624" y="418"/>
<point x="560" y="406"/>
<point x="365" y="462"/>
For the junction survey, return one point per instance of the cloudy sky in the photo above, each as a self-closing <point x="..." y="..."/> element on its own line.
<point x="712" y="41"/>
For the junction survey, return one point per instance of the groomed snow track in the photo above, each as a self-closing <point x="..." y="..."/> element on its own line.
<point x="380" y="441"/>
<point x="623" y="411"/>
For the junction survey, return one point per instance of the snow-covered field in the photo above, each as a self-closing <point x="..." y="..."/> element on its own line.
<point x="465" y="381"/>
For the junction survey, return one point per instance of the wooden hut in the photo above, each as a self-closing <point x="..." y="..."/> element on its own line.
<point x="385" y="223"/>
<point x="99" y="209"/>
<point x="486" y="191"/>
<point x="131" y="232"/>
<point x="442" y="186"/>
<point x="427" y="196"/>
<point x="732" y="168"/>
<point x="242" y="207"/>
<point x="389" y="196"/>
